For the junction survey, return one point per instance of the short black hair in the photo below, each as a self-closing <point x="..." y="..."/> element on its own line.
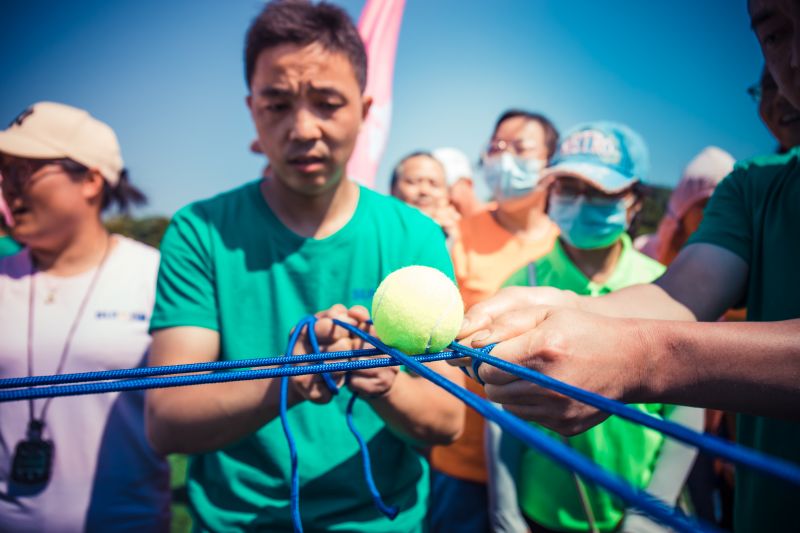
<point x="301" y="23"/>
<point x="396" y="170"/>
<point x="550" y="131"/>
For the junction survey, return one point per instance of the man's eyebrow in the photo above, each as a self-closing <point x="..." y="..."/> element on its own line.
<point x="761" y="17"/>
<point x="274" y="91"/>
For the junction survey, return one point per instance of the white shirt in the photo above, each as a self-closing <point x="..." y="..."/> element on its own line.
<point x="105" y="476"/>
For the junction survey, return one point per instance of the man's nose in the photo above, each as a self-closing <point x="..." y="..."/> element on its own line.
<point x="305" y="126"/>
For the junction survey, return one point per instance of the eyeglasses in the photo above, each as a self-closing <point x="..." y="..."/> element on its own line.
<point x="518" y="147"/>
<point x="572" y="188"/>
<point x="17" y="175"/>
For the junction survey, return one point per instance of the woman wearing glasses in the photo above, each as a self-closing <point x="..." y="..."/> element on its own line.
<point x="76" y="299"/>
<point x="493" y="244"/>
<point x="593" y="196"/>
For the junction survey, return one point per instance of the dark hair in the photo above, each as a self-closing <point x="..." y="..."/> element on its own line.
<point x="396" y="170"/>
<point x="550" y="131"/>
<point x="123" y="194"/>
<point x="301" y="23"/>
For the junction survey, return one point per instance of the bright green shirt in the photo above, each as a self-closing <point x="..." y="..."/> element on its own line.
<point x="8" y="246"/>
<point x="546" y="491"/>
<point x="755" y="213"/>
<point x="228" y="264"/>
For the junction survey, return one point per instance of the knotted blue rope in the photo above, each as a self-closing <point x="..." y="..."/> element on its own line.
<point x="294" y="491"/>
<point x="554" y="449"/>
<point x="733" y="452"/>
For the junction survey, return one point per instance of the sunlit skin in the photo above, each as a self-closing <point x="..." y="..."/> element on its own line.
<point x="421" y="182"/>
<point x="776" y="24"/>
<point x="781" y="118"/>
<point x="524" y="138"/>
<point x="307" y="108"/>
<point x="51" y="211"/>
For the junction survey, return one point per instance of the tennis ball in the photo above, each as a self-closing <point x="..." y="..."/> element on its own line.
<point x="417" y="309"/>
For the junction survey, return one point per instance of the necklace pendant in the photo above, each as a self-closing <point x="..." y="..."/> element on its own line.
<point x="32" y="463"/>
<point x="50" y="298"/>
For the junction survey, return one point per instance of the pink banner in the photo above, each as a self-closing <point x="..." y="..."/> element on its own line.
<point x="379" y="26"/>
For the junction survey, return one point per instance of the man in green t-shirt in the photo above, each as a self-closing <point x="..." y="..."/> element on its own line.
<point x="745" y="252"/>
<point x="240" y="269"/>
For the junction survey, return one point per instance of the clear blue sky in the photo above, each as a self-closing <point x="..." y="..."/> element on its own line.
<point x="168" y="77"/>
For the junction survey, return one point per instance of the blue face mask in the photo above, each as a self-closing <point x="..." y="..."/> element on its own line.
<point x="589" y="224"/>
<point x="509" y="176"/>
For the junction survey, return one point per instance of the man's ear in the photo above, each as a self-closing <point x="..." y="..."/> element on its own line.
<point x="366" y="105"/>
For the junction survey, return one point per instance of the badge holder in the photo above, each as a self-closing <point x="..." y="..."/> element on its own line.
<point x="33" y="457"/>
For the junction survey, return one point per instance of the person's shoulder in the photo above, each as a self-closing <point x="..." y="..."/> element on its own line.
<point x="209" y="208"/>
<point x="646" y="264"/>
<point x="137" y="255"/>
<point x="390" y="209"/>
<point x="762" y="169"/>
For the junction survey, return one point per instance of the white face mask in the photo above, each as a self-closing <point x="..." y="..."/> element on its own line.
<point x="509" y="176"/>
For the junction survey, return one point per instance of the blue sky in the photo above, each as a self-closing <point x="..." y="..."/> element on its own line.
<point x="168" y="77"/>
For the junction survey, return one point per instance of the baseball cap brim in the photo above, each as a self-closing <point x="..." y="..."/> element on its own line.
<point x="16" y="143"/>
<point x="601" y="177"/>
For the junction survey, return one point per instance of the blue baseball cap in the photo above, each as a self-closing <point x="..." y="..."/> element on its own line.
<point x="607" y="155"/>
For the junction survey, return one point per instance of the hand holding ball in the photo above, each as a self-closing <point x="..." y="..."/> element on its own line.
<point x="417" y="309"/>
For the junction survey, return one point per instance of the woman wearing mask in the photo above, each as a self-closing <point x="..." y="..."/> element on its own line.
<point x="492" y="244"/>
<point x="592" y="198"/>
<point x="76" y="299"/>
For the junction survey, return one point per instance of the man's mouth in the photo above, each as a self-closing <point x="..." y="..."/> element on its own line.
<point x="790" y="118"/>
<point x="307" y="163"/>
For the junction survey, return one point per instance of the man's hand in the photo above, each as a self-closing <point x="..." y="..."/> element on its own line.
<point x="511" y="312"/>
<point x="603" y="355"/>
<point x="448" y="218"/>
<point x="331" y="338"/>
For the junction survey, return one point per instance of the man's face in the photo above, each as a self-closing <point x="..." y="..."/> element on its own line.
<point x="780" y="117"/>
<point x="521" y="137"/>
<point x="421" y="182"/>
<point x="307" y="108"/>
<point x="776" y="24"/>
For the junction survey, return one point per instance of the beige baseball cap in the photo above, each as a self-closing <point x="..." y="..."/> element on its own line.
<point x="49" y="130"/>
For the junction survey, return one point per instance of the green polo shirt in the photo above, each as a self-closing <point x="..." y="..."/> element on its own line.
<point x="755" y="213"/>
<point x="228" y="264"/>
<point x="547" y="492"/>
<point x="8" y="246"/>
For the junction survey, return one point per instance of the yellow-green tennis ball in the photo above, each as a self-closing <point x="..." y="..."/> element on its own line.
<point x="417" y="309"/>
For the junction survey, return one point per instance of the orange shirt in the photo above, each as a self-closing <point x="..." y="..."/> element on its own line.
<point x="483" y="258"/>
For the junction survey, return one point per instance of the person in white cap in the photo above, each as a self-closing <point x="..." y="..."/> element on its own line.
<point x="685" y="209"/>
<point x="458" y="172"/>
<point x="76" y="299"/>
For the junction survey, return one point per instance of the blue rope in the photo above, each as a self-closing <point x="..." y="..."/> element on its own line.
<point x="554" y="449"/>
<point x="200" y="379"/>
<point x="294" y="491"/>
<point x="389" y="511"/>
<point x="294" y="486"/>
<point x="736" y="453"/>
<point x="128" y="373"/>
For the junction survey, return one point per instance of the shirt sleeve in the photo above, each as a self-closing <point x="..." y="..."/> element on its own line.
<point x="727" y="218"/>
<point x="185" y="290"/>
<point x="433" y="251"/>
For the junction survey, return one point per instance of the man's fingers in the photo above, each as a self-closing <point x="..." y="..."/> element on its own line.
<point x="359" y="313"/>
<point x="524" y="350"/>
<point x="481" y="315"/>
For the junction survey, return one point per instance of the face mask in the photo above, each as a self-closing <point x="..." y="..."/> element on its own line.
<point x="509" y="176"/>
<point x="589" y="224"/>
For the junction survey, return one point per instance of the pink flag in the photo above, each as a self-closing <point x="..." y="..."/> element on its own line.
<point x="379" y="27"/>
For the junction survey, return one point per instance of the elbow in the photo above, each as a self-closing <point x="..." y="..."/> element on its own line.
<point x="447" y="428"/>
<point x="158" y="431"/>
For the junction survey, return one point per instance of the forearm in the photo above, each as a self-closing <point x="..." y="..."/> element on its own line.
<point x="640" y="301"/>
<point x="203" y="418"/>
<point x="744" y="367"/>
<point x="420" y="411"/>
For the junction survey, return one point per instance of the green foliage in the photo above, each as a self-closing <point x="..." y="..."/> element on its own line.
<point x="653" y="209"/>
<point x="181" y="519"/>
<point x="148" y="230"/>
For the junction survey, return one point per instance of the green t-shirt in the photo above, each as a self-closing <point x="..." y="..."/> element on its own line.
<point x="755" y="213"/>
<point x="8" y="246"/>
<point x="228" y="264"/>
<point x="546" y="491"/>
